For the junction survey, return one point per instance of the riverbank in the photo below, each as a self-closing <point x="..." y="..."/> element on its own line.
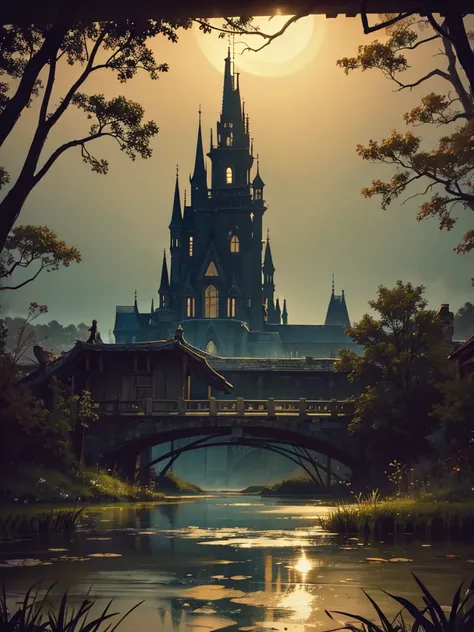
<point x="298" y="486"/>
<point x="38" y="486"/>
<point x="420" y="517"/>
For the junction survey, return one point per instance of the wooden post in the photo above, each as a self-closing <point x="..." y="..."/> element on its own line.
<point x="149" y="406"/>
<point x="302" y="407"/>
<point x="271" y="407"/>
<point x="240" y="406"/>
<point x="181" y="408"/>
<point x="333" y="407"/>
<point x="212" y="406"/>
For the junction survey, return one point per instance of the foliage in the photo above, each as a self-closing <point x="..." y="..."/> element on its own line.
<point x="403" y="361"/>
<point x="52" y="335"/>
<point x="446" y="171"/>
<point x="423" y="518"/>
<point x="62" y="521"/>
<point x="464" y="321"/>
<point x="28" y="245"/>
<point x="22" y="340"/>
<point x="297" y="486"/>
<point x="37" y="614"/>
<point x="431" y="617"/>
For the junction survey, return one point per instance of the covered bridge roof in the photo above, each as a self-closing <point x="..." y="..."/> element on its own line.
<point x="65" y="364"/>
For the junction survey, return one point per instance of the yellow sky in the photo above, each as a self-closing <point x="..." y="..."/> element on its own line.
<point x="306" y="126"/>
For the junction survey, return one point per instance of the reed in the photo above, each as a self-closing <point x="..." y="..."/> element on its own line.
<point x="431" y="617"/>
<point x="36" y="614"/>
<point x="61" y="521"/>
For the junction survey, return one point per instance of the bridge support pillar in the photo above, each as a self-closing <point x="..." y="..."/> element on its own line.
<point x="212" y="406"/>
<point x="271" y="407"/>
<point x="240" y="406"/>
<point x="142" y="476"/>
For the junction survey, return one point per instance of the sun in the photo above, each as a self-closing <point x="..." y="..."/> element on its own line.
<point x="285" y="55"/>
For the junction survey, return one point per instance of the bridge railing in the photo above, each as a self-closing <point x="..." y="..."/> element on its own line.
<point x="239" y="407"/>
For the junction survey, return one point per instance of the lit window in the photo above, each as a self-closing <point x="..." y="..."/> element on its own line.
<point x="211" y="297"/>
<point x="211" y="347"/>
<point x="231" y="125"/>
<point x="229" y="141"/>
<point x="257" y="194"/>
<point x="234" y="244"/>
<point x="212" y="270"/>
<point x="190" y="307"/>
<point x="250" y="302"/>
<point x="228" y="175"/>
<point x="191" y="246"/>
<point x="231" y="307"/>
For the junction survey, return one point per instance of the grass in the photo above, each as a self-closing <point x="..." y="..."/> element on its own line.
<point x="36" y="614"/>
<point x="173" y="484"/>
<point x="431" y="617"/>
<point x="63" y="521"/>
<point x="421" y="517"/>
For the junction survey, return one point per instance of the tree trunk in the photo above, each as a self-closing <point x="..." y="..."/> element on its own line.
<point x="462" y="46"/>
<point x="10" y="208"/>
<point x="19" y="101"/>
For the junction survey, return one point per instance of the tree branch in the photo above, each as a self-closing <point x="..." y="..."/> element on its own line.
<point x="17" y="287"/>
<point x="48" y="90"/>
<point x="433" y="73"/>
<point x="383" y="25"/>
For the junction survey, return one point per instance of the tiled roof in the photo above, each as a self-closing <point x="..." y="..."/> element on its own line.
<point x="282" y="365"/>
<point x="310" y="333"/>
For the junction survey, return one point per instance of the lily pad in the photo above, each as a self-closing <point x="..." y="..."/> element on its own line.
<point x="28" y="561"/>
<point x="378" y="560"/>
<point x="239" y="578"/>
<point x="452" y="556"/>
<point x="204" y="611"/>
<point x="224" y="577"/>
<point x="105" y="555"/>
<point x="400" y="560"/>
<point x="99" y="539"/>
<point x="58" y="550"/>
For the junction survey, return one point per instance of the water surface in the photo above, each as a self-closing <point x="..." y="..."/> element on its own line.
<point x="230" y="561"/>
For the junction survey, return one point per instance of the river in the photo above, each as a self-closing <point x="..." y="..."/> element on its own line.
<point x="229" y="561"/>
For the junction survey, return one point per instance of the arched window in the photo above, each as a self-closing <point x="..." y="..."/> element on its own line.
<point x="234" y="244"/>
<point x="211" y="347"/>
<point x="228" y="175"/>
<point x="211" y="302"/>
<point x="231" y="307"/>
<point x="229" y="140"/>
<point x="190" y="307"/>
<point x="257" y="194"/>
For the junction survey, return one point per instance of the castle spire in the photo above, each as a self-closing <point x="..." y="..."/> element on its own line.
<point x="199" y="177"/>
<point x="135" y="303"/>
<point x="268" y="267"/>
<point x="164" y="290"/>
<point x="284" y="314"/>
<point x="337" y="313"/>
<point x="152" y="306"/>
<point x="176" y="217"/>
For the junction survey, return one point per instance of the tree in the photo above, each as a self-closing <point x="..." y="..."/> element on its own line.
<point x="402" y="362"/>
<point x="446" y="171"/>
<point x="464" y="321"/>
<point x="29" y="245"/>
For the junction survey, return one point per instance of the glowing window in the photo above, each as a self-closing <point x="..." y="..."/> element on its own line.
<point x="211" y="347"/>
<point x="228" y="175"/>
<point x="212" y="270"/>
<point x="191" y="246"/>
<point x="234" y="244"/>
<point x="257" y="194"/>
<point x="231" y="307"/>
<point x="229" y="141"/>
<point x="190" y="307"/>
<point x="211" y="298"/>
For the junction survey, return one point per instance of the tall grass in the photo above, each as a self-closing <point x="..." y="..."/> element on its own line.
<point x="36" y="614"/>
<point x="62" y="521"/>
<point x="422" y="518"/>
<point x="431" y="617"/>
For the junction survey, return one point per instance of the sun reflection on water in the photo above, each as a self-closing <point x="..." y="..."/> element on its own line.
<point x="303" y="565"/>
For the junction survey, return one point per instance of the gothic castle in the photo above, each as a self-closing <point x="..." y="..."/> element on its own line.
<point x="217" y="287"/>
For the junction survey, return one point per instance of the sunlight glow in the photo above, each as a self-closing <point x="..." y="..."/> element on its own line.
<point x="303" y="565"/>
<point x="287" y="54"/>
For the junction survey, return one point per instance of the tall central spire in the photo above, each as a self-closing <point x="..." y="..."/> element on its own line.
<point x="199" y="178"/>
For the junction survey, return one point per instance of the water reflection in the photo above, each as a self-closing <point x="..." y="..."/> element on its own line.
<point x="239" y="565"/>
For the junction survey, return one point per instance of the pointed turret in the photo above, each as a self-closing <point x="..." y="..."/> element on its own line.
<point x="337" y="313"/>
<point x="257" y="186"/>
<point x="199" y="178"/>
<point x="152" y="309"/>
<point x="135" y="303"/>
<point x="164" y="290"/>
<point x="268" y="267"/>
<point x="284" y="314"/>
<point x="176" y="217"/>
<point x="278" y="312"/>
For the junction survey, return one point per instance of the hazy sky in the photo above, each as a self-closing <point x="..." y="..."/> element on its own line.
<point x="306" y="125"/>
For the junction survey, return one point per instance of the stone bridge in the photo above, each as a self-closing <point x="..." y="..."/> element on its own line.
<point x="129" y="429"/>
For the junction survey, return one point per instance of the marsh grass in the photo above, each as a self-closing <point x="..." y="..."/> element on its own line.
<point x="431" y="617"/>
<point x="418" y="517"/>
<point x="36" y="614"/>
<point x="54" y="521"/>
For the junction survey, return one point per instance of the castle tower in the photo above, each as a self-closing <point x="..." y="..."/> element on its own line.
<point x="337" y="313"/>
<point x="269" y="284"/>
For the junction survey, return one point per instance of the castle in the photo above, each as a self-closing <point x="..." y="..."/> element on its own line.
<point x="217" y="286"/>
